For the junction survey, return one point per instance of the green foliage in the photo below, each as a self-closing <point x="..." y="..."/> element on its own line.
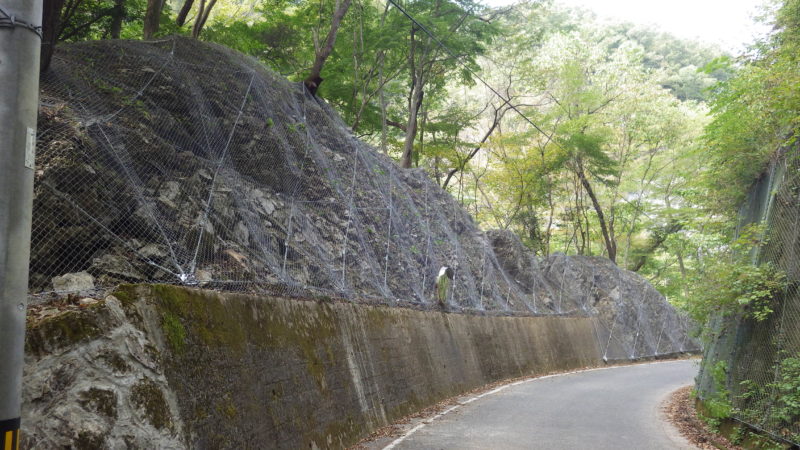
<point x="278" y="32"/>
<point x="756" y="111"/>
<point x="732" y="284"/>
<point x="603" y="110"/>
<point x="84" y="20"/>
<point x="731" y="288"/>
<point x="786" y="406"/>
<point x="776" y="402"/>
<point x="718" y="406"/>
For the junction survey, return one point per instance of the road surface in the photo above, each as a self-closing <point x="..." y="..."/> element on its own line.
<point x="613" y="408"/>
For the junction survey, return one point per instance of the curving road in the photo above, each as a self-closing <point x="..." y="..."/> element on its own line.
<point x="613" y="408"/>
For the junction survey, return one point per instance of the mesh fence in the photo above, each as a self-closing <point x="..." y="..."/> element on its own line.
<point x="181" y="162"/>
<point x="762" y="358"/>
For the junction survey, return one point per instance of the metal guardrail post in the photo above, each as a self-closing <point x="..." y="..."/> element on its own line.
<point x="20" y="42"/>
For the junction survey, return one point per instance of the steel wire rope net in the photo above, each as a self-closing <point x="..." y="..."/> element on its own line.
<point x="762" y="357"/>
<point x="180" y="162"/>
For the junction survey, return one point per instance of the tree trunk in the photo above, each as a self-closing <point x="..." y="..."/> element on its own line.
<point x="580" y="235"/>
<point x="411" y="127"/>
<point x="548" y="233"/>
<point x="314" y="78"/>
<point x="152" y="17"/>
<point x="384" y="122"/>
<point x="414" y="100"/>
<point x="202" y="17"/>
<point x="611" y="246"/>
<point x="116" y="18"/>
<point x="422" y="136"/>
<point x="381" y="81"/>
<point x="51" y="26"/>
<point x="184" y="12"/>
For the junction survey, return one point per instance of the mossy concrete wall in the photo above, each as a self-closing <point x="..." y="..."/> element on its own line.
<point x="238" y="371"/>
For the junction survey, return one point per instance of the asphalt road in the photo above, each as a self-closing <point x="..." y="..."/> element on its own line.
<point x="614" y="408"/>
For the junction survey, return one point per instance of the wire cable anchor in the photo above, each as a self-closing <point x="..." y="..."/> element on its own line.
<point x="8" y="20"/>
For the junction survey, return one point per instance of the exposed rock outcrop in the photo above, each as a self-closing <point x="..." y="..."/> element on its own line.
<point x="183" y="162"/>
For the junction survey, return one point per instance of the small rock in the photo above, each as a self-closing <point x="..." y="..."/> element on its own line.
<point x="113" y="304"/>
<point x="261" y="198"/>
<point x="242" y="234"/>
<point x="236" y="256"/>
<point x="73" y="282"/>
<point x="89" y="169"/>
<point x="204" y="174"/>
<point x="84" y="302"/>
<point x="152" y="251"/>
<point x="267" y="205"/>
<point x="116" y="265"/>
<point x="47" y="312"/>
<point x="203" y="277"/>
<point x="169" y="190"/>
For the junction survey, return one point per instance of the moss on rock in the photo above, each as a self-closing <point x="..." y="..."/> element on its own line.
<point x="115" y="361"/>
<point x="101" y="401"/>
<point x="63" y="330"/>
<point x="146" y="395"/>
<point x="174" y="331"/>
<point x="231" y="325"/>
<point x="89" y="441"/>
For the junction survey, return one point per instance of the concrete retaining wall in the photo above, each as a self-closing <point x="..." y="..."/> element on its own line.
<point x="210" y="370"/>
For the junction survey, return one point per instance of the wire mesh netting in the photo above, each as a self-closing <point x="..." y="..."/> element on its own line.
<point x="182" y="162"/>
<point x="762" y="358"/>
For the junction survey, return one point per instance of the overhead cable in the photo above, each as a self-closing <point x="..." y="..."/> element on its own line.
<point x="465" y="67"/>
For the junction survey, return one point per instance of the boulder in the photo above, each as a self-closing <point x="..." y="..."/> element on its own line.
<point x="73" y="282"/>
<point x="117" y="266"/>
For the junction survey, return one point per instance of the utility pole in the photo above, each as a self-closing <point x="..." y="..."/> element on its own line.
<point x="20" y="42"/>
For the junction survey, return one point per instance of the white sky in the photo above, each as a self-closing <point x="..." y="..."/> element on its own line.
<point x="728" y="23"/>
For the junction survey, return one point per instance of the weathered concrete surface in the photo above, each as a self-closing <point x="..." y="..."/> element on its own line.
<point x="189" y="368"/>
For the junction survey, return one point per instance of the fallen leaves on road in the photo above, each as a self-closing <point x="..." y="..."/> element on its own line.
<point x="679" y="409"/>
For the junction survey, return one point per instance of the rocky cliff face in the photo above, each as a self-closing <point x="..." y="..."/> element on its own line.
<point x="182" y="162"/>
<point x="635" y="319"/>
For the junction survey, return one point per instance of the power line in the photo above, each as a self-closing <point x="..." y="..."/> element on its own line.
<point x="465" y="67"/>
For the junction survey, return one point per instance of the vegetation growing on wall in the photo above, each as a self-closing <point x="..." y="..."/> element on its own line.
<point x="730" y="284"/>
<point x="717" y="407"/>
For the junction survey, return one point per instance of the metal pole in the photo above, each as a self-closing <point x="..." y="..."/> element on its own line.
<point x="20" y="43"/>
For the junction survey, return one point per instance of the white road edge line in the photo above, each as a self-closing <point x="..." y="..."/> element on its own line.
<point x="422" y="424"/>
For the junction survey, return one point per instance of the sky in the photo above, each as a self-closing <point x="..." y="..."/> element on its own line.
<point x="728" y="23"/>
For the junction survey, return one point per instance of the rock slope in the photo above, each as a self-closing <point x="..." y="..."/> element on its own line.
<point x="183" y="162"/>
